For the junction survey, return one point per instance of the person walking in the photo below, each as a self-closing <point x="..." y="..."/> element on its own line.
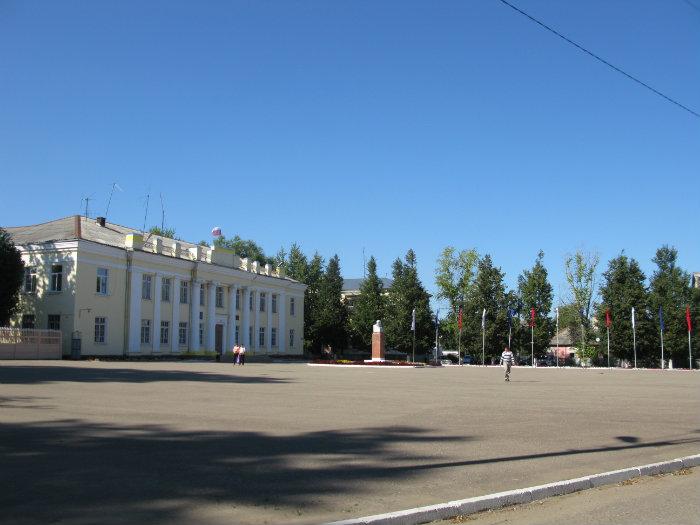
<point x="236" y="354"/>
<point x="507" y="359"/>
<point x="241" y="355"/>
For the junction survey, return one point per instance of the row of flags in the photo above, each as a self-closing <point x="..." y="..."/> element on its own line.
<point x="512" y="313"/>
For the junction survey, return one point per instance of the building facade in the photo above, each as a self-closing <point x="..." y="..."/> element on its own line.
<point x="125" y="294"/>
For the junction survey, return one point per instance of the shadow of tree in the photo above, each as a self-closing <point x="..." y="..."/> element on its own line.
<point x="82" y="471"/>
<point x="53" y="374"/>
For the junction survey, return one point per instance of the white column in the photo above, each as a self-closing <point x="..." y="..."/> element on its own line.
<point x="282" y="322"/>
<point x="268" y="330"/>
<point x="245" y="313"/>
<point x="155" y="339"/>
<point x="211" y="316"/>
<point x="175" y="322"/>
<point x="194" y="315"/>
<point x="231" y="331"/>
<point x="135" y="312"/>
<point x="256" y="328"/>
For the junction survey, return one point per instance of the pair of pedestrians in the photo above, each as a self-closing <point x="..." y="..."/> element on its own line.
<point x="238" y="355"/>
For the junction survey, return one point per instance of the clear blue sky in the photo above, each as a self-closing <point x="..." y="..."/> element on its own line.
<point x="364" y="124"/>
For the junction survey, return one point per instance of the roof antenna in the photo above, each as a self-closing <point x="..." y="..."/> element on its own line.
<point x="87" y="205"/>
<point x="162" y="214"/>
<point x="145" y="216"/>
<point x="114" y="185"/>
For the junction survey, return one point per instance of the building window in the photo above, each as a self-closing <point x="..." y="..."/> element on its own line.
<point x="145" y="331"/>
<point x="250" y="335"/>
<point x="165" y="290"/>
<point x="201" y="316"/>
<point x="250" y="306"/>
<point x="273" y="336"/>
<point x="219" y="296"/>
<point x="202" y="294"/>
<point x="100" y="329"/>
<point x="238" y="338"/>
<point x="201" y="334"/>
<point x="274" y="303"/>
<point x="54" y="322"/>
<point x="291" y="338"/>
<point x="102" y="276"/>
<point x="146" y="287"/>
<point x="261" y="337"/>
<point x="291" y="306"/>
<point x="184" y="292"/>
<point x="238" y="299"/>
<point x="182" y="334"/>
<point x="262" y="301"/>
<point x="30" y="279"/>
<point x="164" y="332"/>
<point x="56" y="277"/>
<point x="28" y="321"/>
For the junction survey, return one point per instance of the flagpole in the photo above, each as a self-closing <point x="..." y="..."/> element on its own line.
<point x="414" y="345"/>
<point x="459" y="347"/>
<point x="634" y="339"/>
<point x="557" y="337"/>
<point x="413" y="329"/>
<point x="532" y="343"/>
<point x="690" y="353"/>
<point x="662" y="348"/>
<point x="608" y="329"/>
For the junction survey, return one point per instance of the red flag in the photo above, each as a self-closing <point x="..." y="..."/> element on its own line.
<point x="687" y="318"/>
<point x="459" y="321"/>
<point x="608" y="321"/>
<point x="532" y="317"/>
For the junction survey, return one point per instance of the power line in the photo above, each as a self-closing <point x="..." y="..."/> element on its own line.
<point x="542" y="24"/>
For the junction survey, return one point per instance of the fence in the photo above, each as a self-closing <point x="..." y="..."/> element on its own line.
<point x="25" y="343"/>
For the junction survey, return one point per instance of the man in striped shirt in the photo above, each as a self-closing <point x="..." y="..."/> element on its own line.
<point x="507" y="359"/>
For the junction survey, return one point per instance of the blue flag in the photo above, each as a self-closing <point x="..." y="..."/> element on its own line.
<point x="661" y="318"/>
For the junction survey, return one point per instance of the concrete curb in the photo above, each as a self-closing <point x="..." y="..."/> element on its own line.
<point x="498" y="500"/>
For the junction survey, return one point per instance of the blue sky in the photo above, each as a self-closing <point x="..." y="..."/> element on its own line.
<point x="365" y="124"/>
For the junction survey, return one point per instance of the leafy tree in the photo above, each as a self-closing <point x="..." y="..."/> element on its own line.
<point x="330" y="317"/>
<point x="281" y="259"/>
<point x="244" y="248"/>
<point x="670" y="290"/>
<point x="580" y="271"/>
<point x="368" y="307"/>
<point x="168" y="233"/>
<point x="405" y="294"/>
<point x="12" y="272"/>
<point x="535" y="291"/>
<point x="622" y="289"/>
<point x="311" y="275"/>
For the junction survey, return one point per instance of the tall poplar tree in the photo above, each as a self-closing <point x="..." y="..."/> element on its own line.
<point x="535" y="291"/>
<point x="312" y="276"/>
<point x="368" y="307"/>
<point x="580" y="270"/>
<point x="330" y="316"/>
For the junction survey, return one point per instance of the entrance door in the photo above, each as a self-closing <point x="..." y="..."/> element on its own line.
<point x="219" y="338"/>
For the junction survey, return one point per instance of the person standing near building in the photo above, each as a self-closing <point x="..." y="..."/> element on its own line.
<point x="236" y="354"/>
<point x="241" y="355"/>
<point x="507" y="359"/>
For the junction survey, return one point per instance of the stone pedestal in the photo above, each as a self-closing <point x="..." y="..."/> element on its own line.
<point x="378" y="342"/>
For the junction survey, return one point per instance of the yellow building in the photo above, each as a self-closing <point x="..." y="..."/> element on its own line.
<point x="124" y="293"/>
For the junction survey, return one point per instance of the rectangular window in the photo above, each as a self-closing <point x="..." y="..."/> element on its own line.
<point x="100" y="329"/>
<point x="56" y="277"/>
<point x="291" y="306"/>
<point x="291" y="338"/>
<point x="262" y="301"/>
<point x="184" y="292"/>
<point x="146" y="287"/>
<point x="274" y="303"/>
<point x="238" y="299"/>
<point x="164" y="332"/>
<point x="54" y="322"/>
<point x="28" y="321"/>
<point x="165" y="290"/>
<point x="102" y="277"/>
<point x="238" y="338"/>
<point x="261" y="337"/>
<point x="251" y="302"/>
<point x="273" y="337"/>
<point x="201" y="334"/>
<point x="219" y="296"/>
<point x="30" y="279"/>
<point x="202" y="294"/>
<point x="182" y="334"/>
<point x="145" y="331"/>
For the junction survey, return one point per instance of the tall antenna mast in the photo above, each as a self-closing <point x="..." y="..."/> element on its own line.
<point x="145" y="216"/>
<point x="87" y="205"/>
<point x="162" y="214"/>
<point x="114" y="185"/>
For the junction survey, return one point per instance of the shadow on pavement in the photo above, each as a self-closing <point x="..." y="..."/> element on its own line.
<point x="53" y="374"/>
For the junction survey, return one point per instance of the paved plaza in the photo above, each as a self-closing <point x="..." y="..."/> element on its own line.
<point x="172" y="442"/>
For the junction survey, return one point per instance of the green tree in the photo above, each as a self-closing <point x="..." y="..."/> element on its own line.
<point x="580" y="270"/>
<point x="244" y="248"/>
<point x="368" y="307"/>
<point x="624" y="288"/>
<point x="330" y="317"/>
<point x="535" y="291"/>
<point x="168" y="233"/>
<point x="311" y="276"/>
<point x="12" y="272"/>
<point x="406" y="293"/>
<point x="297" y="266"/>
<point x="670" y="290"/>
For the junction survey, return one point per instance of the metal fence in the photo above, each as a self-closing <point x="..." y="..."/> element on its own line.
<point x="27" y="343"/>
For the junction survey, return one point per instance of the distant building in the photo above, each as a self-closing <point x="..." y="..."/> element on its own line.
<point x="128" y="294"/>
<point x="696" y="280"/>
<point x="351" y="289"/>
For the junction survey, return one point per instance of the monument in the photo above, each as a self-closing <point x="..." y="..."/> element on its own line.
<point x="377" y="341"/>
